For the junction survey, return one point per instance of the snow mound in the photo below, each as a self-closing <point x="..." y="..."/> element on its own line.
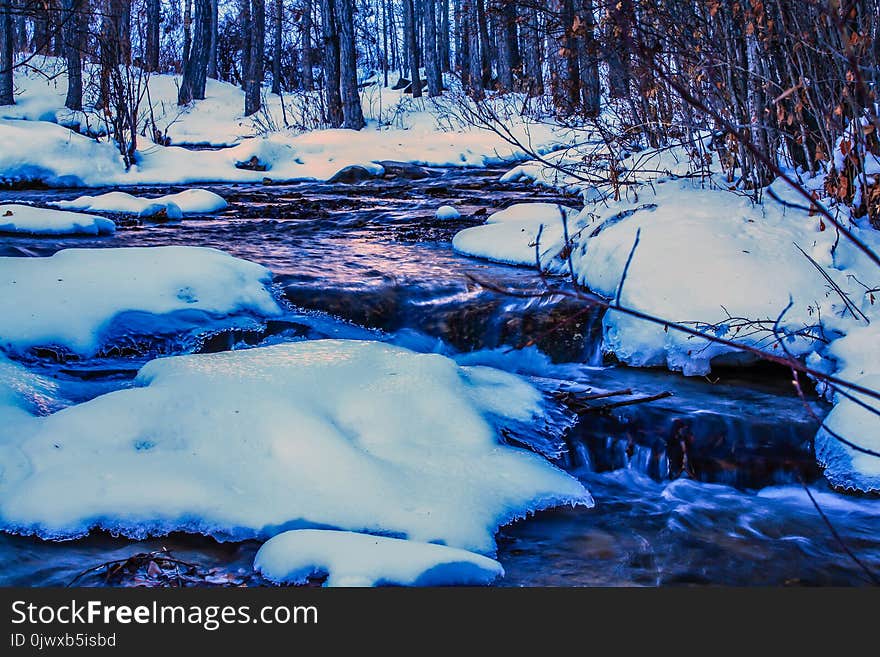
<point x="447" y="212"/>
<point x="511" y="235"/>
<point x="51" y="154"/>
<point x="352" y="559"/>
<point x="41" y="221"/>
<point x="856" y="359"/>
<point x="351" y="435"/>
<point x="190" y="201"/>
<point x="73" y="298"/>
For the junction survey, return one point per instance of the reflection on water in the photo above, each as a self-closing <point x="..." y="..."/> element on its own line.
<point x="698" y="488"/>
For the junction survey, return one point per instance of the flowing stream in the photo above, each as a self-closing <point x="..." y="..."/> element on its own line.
<point x="699" y="487"/>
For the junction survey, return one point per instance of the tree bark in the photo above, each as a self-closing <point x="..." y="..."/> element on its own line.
<point x="588" y="59"/>
<point x="443" y="41"/>
<point x="254" y="77"/>
<point x="277" y="43"/>
<point x="6" y="53"/>
<point x="151" y="46"/>
<point x="195" y="70"/>
<point x="432" y="58"/>
<point x="187" y="30"/>
<point x="533" y="48"/>
<point x="412" y="48"/>
<point x="212" y="50"/>
<point x="330" y="35"/>
<point x="308" y="78"/>
<point x="72" y="21"/>
<point x="352" y="114"/>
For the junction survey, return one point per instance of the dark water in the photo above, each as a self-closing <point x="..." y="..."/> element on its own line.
<point x="701" y="487"/>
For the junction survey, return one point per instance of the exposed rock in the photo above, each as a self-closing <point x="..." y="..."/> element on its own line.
<point x="352" y="174"/>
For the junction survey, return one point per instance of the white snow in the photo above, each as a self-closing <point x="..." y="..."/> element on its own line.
<point x="512" y="235"/>
<point x="36" y="148"/>
<point x="351" y="435"/>
<point x="189" y="201"/>
<point x="704" y="258"/>
<point x="15" y="218"/>
<point x="447" y="212"/>
<point x="352" y="559"/>
<point x="71" y="298"/>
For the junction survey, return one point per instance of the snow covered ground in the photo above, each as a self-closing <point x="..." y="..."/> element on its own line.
<point x="344" y="434"/>
<point x="78" y="297"/>
<point x="38" y="148"/>
<point x="173" y="206"/>
<point x="351" y="559"/>
<point x="15" y="218"/>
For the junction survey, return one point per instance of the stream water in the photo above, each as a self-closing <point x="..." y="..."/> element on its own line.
<point x="700" y="487"/>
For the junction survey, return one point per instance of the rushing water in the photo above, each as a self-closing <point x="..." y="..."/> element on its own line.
<point x="701" y="487"/>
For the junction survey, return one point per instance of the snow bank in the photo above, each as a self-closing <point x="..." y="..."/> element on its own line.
<point x="74" y="298"/>
<point x="704" y="258"/>
<point x="352" y="435"/>
<point x="190" y="201"/>
<point x="352" y="559"/>
<point x="512" y="235"/>
<point x="37" y="151"/>
<point x="40" y="221"/>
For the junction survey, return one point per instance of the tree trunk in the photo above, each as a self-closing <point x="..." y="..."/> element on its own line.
<point x="475" y="70"/>
<point x="331" y="63"/>
<point x="352" y="114"/>
<point x="432" y="59"/>
<point x="412" y="48"/>
<point x="507" y="49"/>
<point x="244" y="19"/>
<point x="6" y="53"/>
<point x="212" y="50"/>
<point x="187" y="30"/>
<point x="533" y="48"/>
<point x="617" y="55"/>
<point x="72" y="21"/>
<point x="254" y="77"/>
<point x="485" y="59"/>
<point x="443" y="45"/>
<point x="277" y="46"/>
<point x="588" y="59"/>
<point x="151" y="47"/>
<point x="308" y="78"/>
<point x="195" y="71"/>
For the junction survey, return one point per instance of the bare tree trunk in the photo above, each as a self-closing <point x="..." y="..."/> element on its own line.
<point x="195" y="70"/>
<point x="588" y="59"/>
<point x="474" y="65"/>
<point x="187" y="30"/>
<point x="277" y="46"/>
<point x="352" y="114"/>
<point x="616" y="48"/>
<point x="212" y="50"/>
<point x="331" y="63"/>
<point x="533" y="48"/>
<point x="308" y="78"/>
<point x="244" y="19"/>
<point x="151" y="47"/>
<point x="412" y="47"/>
<point x="483" y="31"/>
<point x="432" y="59"/>
<point x="254" y="77"/>
<point x="444" y="38"/>
<point x="7" y="96"/>
<point x="508" y="53"/>
<point x="72" y="21"/>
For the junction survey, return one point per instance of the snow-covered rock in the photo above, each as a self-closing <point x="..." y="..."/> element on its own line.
<point x="352" y="435"/>
<point x="73" y="298"/>
<point x="447" y="212"/>
<point x="27" y="219"/>
<point x="352" y="559"/>
<point x="513" y="234"/>
<point x="704" y="258"/>
<point x="174" y="206"/>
